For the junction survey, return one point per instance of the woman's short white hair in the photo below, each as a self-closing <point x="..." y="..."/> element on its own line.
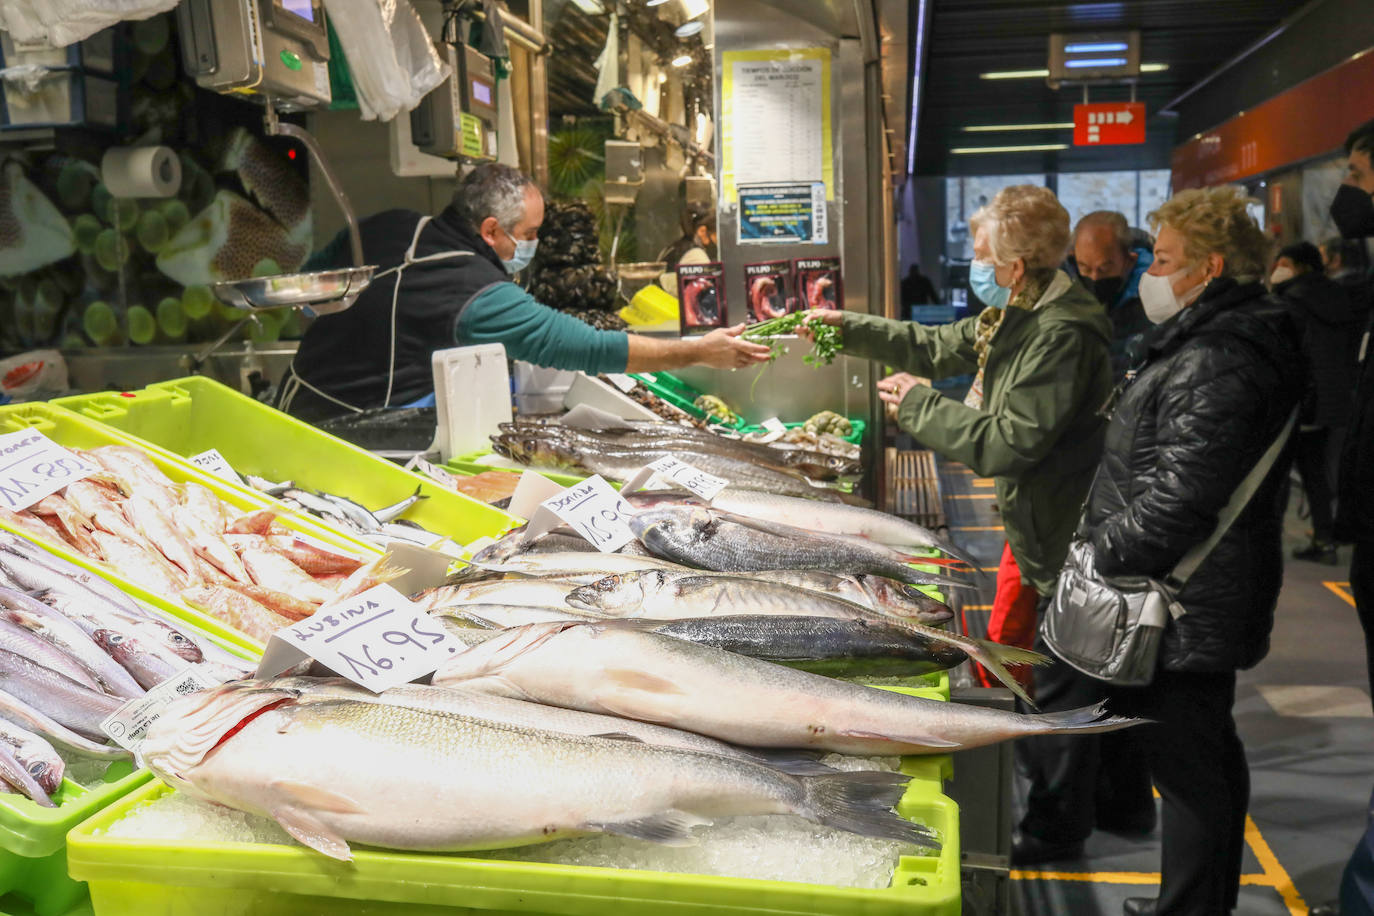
<point x="1025" y="221"/>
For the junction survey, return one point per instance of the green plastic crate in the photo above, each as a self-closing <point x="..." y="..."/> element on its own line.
<point x="855" y="437"/>
<point x="69" y="429"/>
<point x="188" y="416"/>
<point x="140" y="877"/>
<point x="678" y="393"/>
<point x="467" y="466"/>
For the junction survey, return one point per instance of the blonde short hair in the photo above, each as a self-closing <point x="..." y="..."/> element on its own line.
<point x="1215" y="221"/>
<point x="1025" y="221"/>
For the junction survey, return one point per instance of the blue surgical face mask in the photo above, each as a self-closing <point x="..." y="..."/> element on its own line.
<point x="982" y="280"/>
<point x="524" y="253"/>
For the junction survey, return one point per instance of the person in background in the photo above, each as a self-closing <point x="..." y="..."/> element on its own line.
<point x="1041" y="347"/>
<point x="1353" y="211"/>
<point x="1110" y="259"/>
<point x="446" y="282"/>
<point x="1347" y="262"/>
<point x="917" y="288"/>
<point x="1220" y="380"/>
<point x="1330" y="340"/>
<point x="698" y="245"/>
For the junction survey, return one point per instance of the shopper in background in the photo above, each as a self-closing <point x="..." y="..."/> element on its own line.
<point x="447" y="282"/>
<point x="1042" y="347"/>
<point x="1330" y="342"/>
<point x="917" y="288"/>
<point x="1110" y="260"/>
<point x="1219" y="382"/>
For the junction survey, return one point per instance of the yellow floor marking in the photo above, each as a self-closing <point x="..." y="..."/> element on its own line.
<point x="1342" y="591"/>
<point x="975" y="607"/>
<point x="971" y="496"/>
<point x="1273" y="870"/>
<point x="984" y="482"/>
<point x="976" y="528"/>
<point x="1095" y="877"/>
<point x="988" y="568"/>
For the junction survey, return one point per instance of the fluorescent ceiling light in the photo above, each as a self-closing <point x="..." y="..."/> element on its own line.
<point x="1094" y="62"/>
<point x="688" y="29"/>
<point x="655" y="2"/>
<point x="1094" y="47"/>
<point x="998" y="128"/>
<point x="1029" y="148"/>
<point x="591" y="7"/>
<point x="1032" y="74"/>
<point x="682" y="61"/>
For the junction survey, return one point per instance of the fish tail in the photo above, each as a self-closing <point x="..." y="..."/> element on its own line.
<point x="862" y="803"/>
<point x="995" y="657"/>
<point x="1085" y="720"/>
<point x="794" y="762"/>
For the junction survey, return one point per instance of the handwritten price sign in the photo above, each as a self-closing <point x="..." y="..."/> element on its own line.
<point x="211" y="460"/>
<point x="705" y="485"/>
<point x="594" y="510"/>
<point x="377" y="639"/>
<point x="33" y="466"/>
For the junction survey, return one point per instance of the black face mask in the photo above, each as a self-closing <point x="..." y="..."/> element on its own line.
<point x="1353" y="211"/>
<point x="1105" y="289"/>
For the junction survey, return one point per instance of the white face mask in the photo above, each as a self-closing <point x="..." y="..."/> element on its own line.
<point x="1158" y="297"/>
<point x="1281" y="275"/>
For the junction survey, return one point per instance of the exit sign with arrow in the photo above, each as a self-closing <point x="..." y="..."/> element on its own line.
<point x="1109" y="124"/>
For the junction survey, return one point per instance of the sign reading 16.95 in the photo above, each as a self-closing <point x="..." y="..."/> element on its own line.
<point x="595" y="511"/>
<point x="33" y="466"/>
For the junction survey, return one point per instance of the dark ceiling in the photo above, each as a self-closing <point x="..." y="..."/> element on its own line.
<point x="969" y="37"/>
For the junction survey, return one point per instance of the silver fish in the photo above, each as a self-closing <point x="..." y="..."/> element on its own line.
<point x="70" y="703"/>
<point x="31" y="568"/>
<point x="20" y="641"/>
<point x="473" y="784"/>
<point x="396" y="510"/>
<point x="12" y="709"/>
<point x="65" y="635"/>
<point x="581" y="567"/>
<point x="147" y="667"/>
<point x="641" y="675"/>
<point x="709" y="540"/>
<point x="504" y="616"/>
<point x="541" y="592"/>
<point x="895" y="599"/>
<point x="13" y="774"/>
<point x="37" y="757"/>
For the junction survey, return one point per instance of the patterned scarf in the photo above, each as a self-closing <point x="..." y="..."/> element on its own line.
<point x="990" y="320"/>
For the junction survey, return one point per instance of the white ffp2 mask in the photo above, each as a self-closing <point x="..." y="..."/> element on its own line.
<point x="1159" y="300"/>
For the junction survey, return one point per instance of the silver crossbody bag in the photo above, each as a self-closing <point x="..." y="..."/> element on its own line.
<point x="1110" y="628"/>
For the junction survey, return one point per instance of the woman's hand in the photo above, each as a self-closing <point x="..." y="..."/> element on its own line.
<point x="833" y="317"/>
<point x="893" y="389"/>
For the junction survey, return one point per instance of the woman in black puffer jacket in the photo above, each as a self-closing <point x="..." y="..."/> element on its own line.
<point x="1223" y="375"/>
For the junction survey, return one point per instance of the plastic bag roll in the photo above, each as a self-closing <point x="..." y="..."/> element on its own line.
<point x="141" y="171"/>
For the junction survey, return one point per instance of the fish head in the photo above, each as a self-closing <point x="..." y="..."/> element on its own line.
<point x="480" y="667"/>
<point x="172" y="639"/>
<point x="194" y="725"/>
<point x="622" y="593"/>
<point x="46" y="771"/>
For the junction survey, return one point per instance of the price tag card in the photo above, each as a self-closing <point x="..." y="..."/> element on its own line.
<point x="128" y="725"/>
<point x="377" y="639"/>
<point x="434" y="473"/>
<point x="684" y="475"/>
<point x="774" y="425"/>
<point x="33" y="466"/>
<point x="594" y="510"/>
<point x="211" y="460"/>
<point x="621" y="381"/>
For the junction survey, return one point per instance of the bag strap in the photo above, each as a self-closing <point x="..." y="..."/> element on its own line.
<point x="1184" y="569"/>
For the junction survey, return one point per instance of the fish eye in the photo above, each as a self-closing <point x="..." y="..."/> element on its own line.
<point x="37" y="768"/>
<point x="115" y="639"/>
<point x="177" y="638"/>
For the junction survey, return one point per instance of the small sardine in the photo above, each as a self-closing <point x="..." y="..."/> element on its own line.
<point x="396" y="510"/>
<point x="12" y="709"/>
<point x="35" y="754"/>
<point x="14" y="775"/>
<point x="76" y="706"/>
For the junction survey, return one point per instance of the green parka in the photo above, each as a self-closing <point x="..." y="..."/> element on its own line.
<point x="1048" y="373"/>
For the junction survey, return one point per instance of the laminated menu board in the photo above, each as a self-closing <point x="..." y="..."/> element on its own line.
<point x="819" y="283"/>
<point x="701" y="290"/>
<point x="769" y="290"/>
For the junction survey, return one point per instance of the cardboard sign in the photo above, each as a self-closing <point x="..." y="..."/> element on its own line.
<point x="701" y="290"/>
<point x="820" y="284"/>
<point x="377" y="639"/>
<point x="437" y="474"/>
<point x="211" y="460"/>
<point x="33" y="466"/>
<point x="707" y="486"/>
<point x="594" y="510"/>
<point x="769" y="290"/>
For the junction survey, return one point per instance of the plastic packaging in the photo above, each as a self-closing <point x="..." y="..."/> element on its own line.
<point x="33" y="376"/>
<point x="62" y="22"/>
<point x="390" y="74"/>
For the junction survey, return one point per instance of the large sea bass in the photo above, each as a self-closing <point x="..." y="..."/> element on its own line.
<point x="335" y="771"/>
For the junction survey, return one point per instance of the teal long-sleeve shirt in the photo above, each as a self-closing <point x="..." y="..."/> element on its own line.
<point x="504" y="313"/>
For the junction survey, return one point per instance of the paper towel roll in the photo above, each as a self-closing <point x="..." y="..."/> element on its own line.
<point x="141" y="171"/>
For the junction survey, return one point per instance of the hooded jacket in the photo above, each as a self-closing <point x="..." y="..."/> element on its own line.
<point x="1217" y="385"/>
<point x="1047" y="373"/>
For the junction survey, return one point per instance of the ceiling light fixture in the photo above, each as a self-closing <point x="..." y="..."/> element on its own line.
<point x="1028" y="148"/>
<point x="1033" y="74"/>
<point x="1095" y="63"/>
<point x="688" y="29"/>
<point x="998" y="128"/>
<point x="682" y="60"/>
<point x="590" y="7"/>
<point x="918" y="65"/>
<point x="1094" y="47"/>
<point x="655" y="2"/>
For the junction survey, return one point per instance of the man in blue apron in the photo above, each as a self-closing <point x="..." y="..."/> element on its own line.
<point x="446" y="282"/>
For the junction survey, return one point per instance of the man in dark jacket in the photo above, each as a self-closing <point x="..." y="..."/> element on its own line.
<point x="1330" y="341"/>
<point x="1109" y="259"/>
<point x="446" y="282"/>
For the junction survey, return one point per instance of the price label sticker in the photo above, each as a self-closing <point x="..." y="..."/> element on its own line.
<point x="377" y="639"/>
<point x="621" y="381"/>
<point x="707" y="486"/>
<point x="33" y="466"/>
<point x="128" y="725"/>
<point x="211" y="460"/>
<point x="437" y="474"/>
<point x="596" y="511"/>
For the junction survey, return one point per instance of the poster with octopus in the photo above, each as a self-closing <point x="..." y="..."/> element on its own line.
<point x="701" y="287"/>
<point x="770" y="291"/>
<point x="820" y="284"/>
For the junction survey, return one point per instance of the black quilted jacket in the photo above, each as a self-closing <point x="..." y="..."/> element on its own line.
<point x="1218" y="383"/>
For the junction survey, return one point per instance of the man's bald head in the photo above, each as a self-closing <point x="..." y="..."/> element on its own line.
<point x="1102" y="246"/>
